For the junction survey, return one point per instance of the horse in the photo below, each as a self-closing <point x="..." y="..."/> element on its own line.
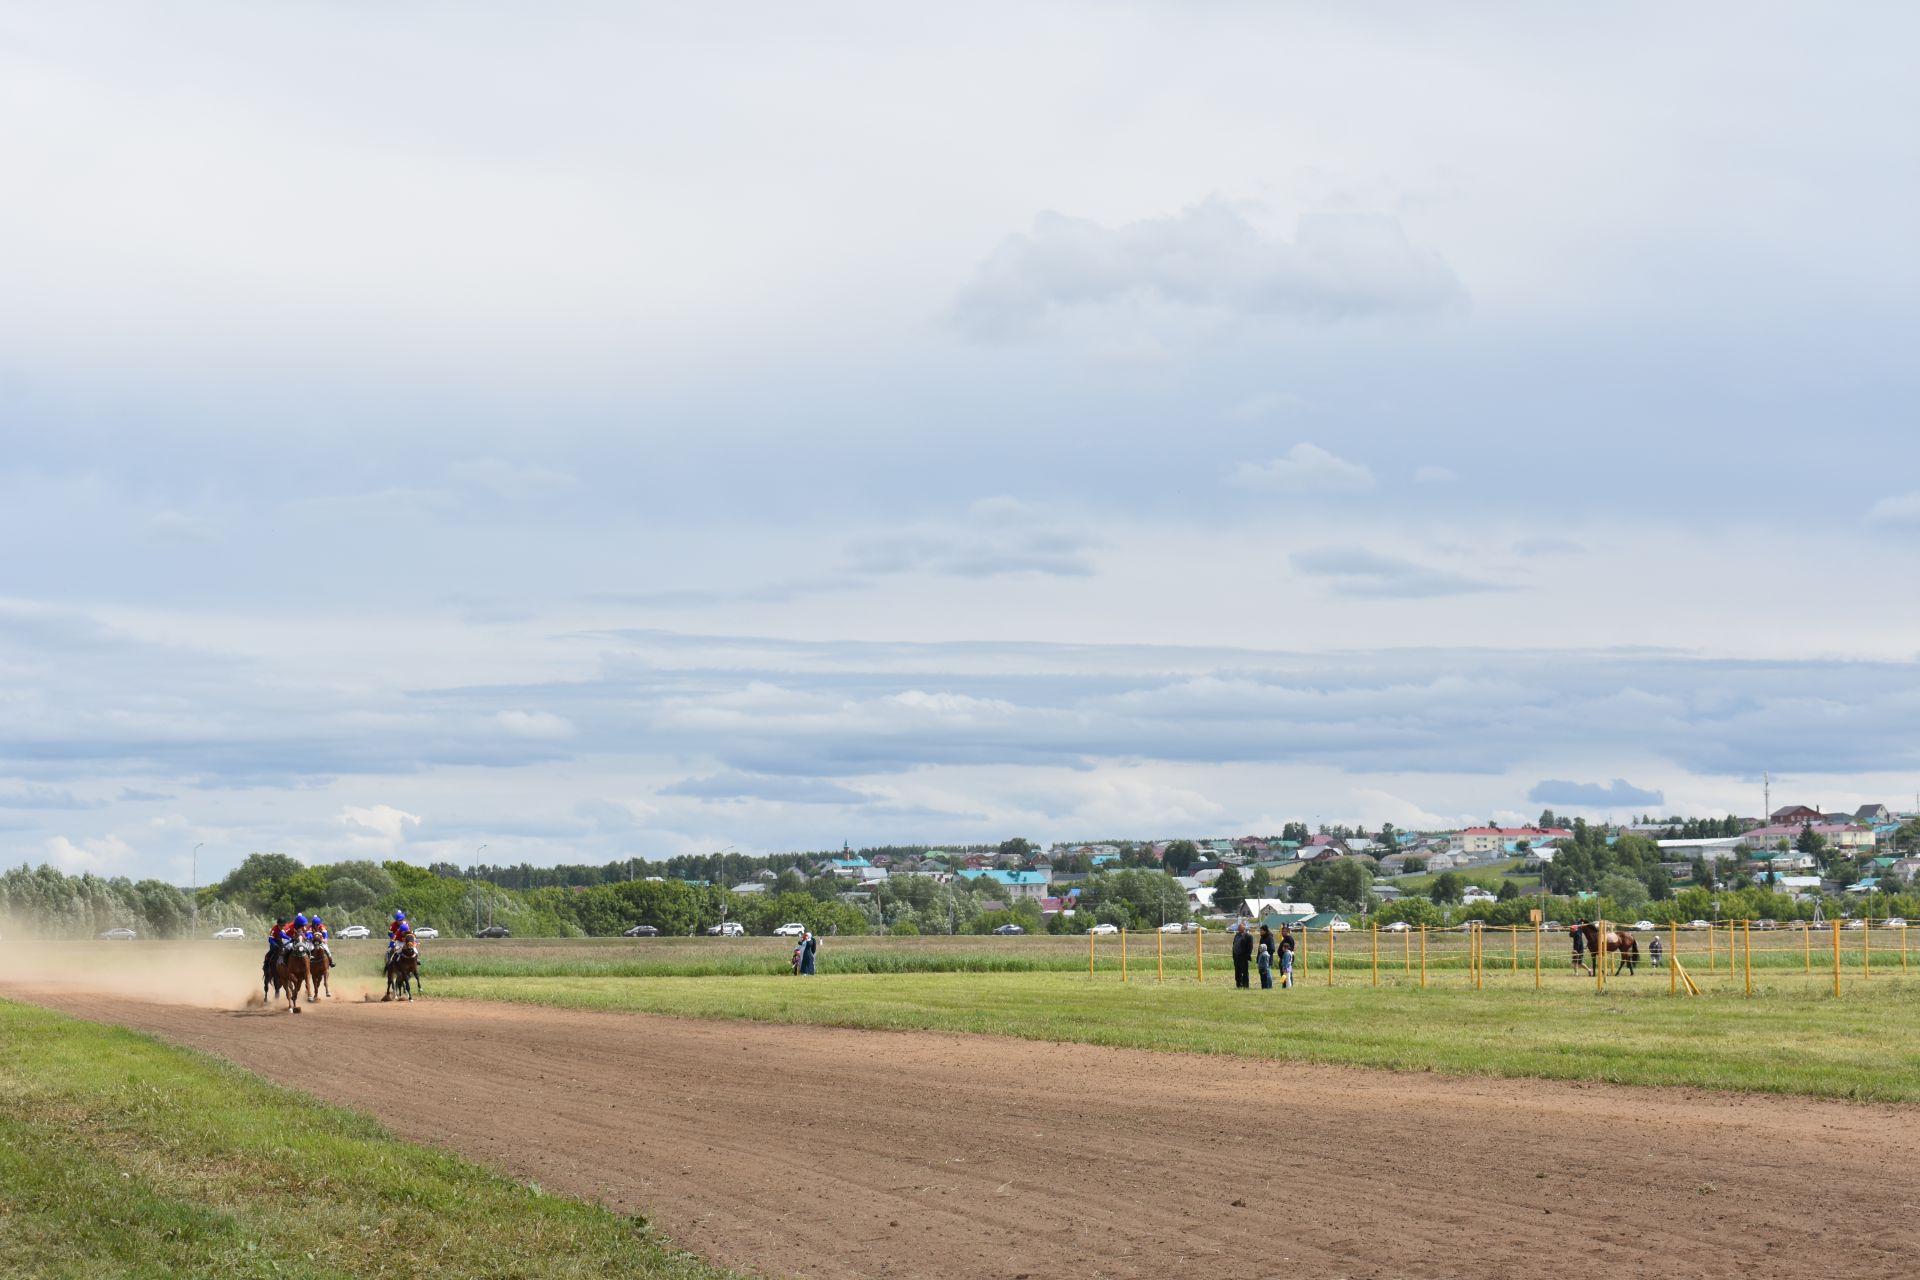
<point x="292" y="972"/>
<point x="1617" y="940"/>
<point x="403" y="970"/>
<point x="319" y="965"/>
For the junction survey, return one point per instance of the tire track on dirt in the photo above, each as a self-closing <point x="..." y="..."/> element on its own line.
<point x="822" y="1152"/>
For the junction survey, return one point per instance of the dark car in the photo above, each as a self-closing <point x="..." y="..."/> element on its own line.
<point x="1010" y="929"/>
<point x="641" y="931"/>
<point x="494" y="931"/>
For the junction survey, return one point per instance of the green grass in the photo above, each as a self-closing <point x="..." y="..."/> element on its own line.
<point x="121" y="1156"/>
<point x="1487" y="877"/>
<point x="1793" y="1040"/>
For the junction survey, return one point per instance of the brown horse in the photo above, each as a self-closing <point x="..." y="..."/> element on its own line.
<point x="1617" y="940"/>
<point x="403" y="970"/>
<point x="292" y="972"/>
<point x="319" y="965"/>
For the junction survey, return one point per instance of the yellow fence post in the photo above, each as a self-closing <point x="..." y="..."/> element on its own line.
<point x="1089" y="953"/>
<point x="1806" y="944"/>
<point x="1903" y="949"/>
<point x="1376" y="953"/>
<point x="1306" y="952"/>
<point x="1406" y="950"/>
<point x="1746" y="933"/>
<point x="1423" y="957"/>
<point x="1673" y="959"/>
<point x="1536" y="953"/>
<point x="1516" y="949"/>
<point x="1123" y="955"/>
<point x="1199" y="957"/>
<point x="1713" y="962"/>
<point x="1836" y="959"/>
<point x="1159" y="957"/>
<point x="1866" y="946"/>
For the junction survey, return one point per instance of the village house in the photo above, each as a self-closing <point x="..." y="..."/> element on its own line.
<point x="1484" y="840"/>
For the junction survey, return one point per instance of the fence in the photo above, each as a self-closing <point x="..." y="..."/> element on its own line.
<point x="1724" y="957"/>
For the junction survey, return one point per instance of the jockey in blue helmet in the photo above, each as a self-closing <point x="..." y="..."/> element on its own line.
<point x="395" y="930"/>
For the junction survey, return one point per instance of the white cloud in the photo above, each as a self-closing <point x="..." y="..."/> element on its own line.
<point x="1277" y="404"/>
<point x="539" y="725"/>
<point x="174" y="526"/>
<point x="1337" y="266"/>
<point x="1306" y="469"/>
<point x="383" y="820"/>
<point x="101" y="855"/>
<point x="1434" y="475"/>
<point x="1901" y="510"/>
<point x="514" y="484"/>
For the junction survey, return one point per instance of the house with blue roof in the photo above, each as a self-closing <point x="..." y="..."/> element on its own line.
<point x="1018" y="884"/>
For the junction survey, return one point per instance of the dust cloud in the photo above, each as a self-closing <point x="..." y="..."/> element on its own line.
<point x="204" y="975"/>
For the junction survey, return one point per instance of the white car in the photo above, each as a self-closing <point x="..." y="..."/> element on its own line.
<point x="425" y="932"/>
<point x="728" y="929"/>
<point x="1856" y="924"/>
<point x="792" y="929"/>
<point x="1105" y="928"/>
<point x="122" y="934"/>
<point x="1893" y="922"/>
<point x="231" y="931"/>
<point x="1179" y="926"/>
<point x="1696" y="924"/>
<point x="1398" y="926"/>
<point x="356" y="931"/>
<point x="1340" y="926"/>
<point x="1644" y="925"/>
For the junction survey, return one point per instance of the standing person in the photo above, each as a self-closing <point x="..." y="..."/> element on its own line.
<point x="809" y="946"/>
<point x="1286" y="957"/>
<point x="1265" y="956"/>
<point x="1580" y="946"/>
<point x="1242" y="954"/>
<point x="1654" y="949"/>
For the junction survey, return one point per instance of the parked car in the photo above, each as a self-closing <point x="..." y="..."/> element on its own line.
<point x="1105" y="928"/>
<point x="1644" y="925"/>
<point x="1009" y="929"/>
<point x="1766" y="924"/>
<point x="122" y="934"/>
<point x="728" y="929"/>
<point x="641" y="931"/>
<point x="426" y="932"/>
<point x="355" y="931"/>
<point x="1398" y="926"/>
<point x="231" y="931"/>
<point x="1893" y="922"/>
<point x="1340" y="926"/>
<point x="1697" y="924"/>
<point x="1468" y="926"/>
<point x="791" y="929"/>
<point x="494" y="931"/>
<point x="1856" y="924"/>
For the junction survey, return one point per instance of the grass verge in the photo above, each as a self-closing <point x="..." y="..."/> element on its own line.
<point x="123" y="1156"/>
<point x="1792" y="1041"/>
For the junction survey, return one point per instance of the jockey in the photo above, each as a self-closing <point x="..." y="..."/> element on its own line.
<point x="276" y="939"/>
<point x="298" y="933"/>
<point x="317" y="930"/>
<point x="396" y="931"/>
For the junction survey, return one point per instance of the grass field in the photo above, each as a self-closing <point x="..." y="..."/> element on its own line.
<point x="121" y="1156"/>
<point x="1795" y="1040"/>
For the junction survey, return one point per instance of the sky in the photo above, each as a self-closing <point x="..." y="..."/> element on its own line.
<point x="591" y="431"/>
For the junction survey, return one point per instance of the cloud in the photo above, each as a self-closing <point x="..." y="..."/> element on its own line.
<point x="35" y="797"/>
<point x="1434" y="475"/>
<point x="539" y="725"/>
<point x="780" y="789"/>
<point x="511" y="483"/>
<point x="1274" y="405"/>
<point x="383" y="820"/>
<point x="1356" y="571"/>
<point x="173" y="526"/>
<point x="1901" y="510"/>
<point x="1337" y="266"/>
<point x="997" y="537"/>
<point x="1548" y="545"/>
<point x="1593" y="795"/>
<point x="99" y="855"/>
<point x="1306" y="469"/>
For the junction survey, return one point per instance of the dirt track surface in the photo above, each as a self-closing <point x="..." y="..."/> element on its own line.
<point x="830" y="1153"/>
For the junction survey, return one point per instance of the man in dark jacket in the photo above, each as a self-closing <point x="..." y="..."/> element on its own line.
<point x="1242" y="954"/>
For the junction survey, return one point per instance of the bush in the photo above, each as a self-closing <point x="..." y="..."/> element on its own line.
<point x="905" y="929"/>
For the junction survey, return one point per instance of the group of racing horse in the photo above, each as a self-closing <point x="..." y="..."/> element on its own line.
<point x="299" y="961"/>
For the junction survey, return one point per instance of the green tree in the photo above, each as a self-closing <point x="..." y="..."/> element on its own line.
<point x="1508" y="891"/>
<point x="1259" y="884"/>
<point x="1625" y="891"/>
<point x="1413" y="866"/>
<point x="1018" y="847"/>
<point x="1446" y="888"/>
<point x="1180" y="857"/>
<point x="1229" y="891"/>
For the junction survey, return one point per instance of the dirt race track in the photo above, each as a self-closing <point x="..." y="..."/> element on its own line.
<point x="819" y="1152"/>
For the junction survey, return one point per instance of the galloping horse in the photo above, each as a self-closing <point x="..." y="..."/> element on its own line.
<point x="1619" y="940"/>
<point x="403" y="971"/>
<point x="292" y="972"/>
<point x="319" y="965"/>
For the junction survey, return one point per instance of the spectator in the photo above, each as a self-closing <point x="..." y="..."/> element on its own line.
<point x="1654" y="949"/>
<point x="1265" y="955"/>
<point x="809" y="947"/>
<point x="1242" y="954"/>
<point x="1286" y="956"/>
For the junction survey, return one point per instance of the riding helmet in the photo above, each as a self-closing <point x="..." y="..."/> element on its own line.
<point x="299" y="921"/>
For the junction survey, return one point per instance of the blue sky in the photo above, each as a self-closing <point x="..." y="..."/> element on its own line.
<point x="592" y="433"/>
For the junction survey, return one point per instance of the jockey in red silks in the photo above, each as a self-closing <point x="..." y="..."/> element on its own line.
<point x="395" y="931"/>
<point x="317" y="934"/>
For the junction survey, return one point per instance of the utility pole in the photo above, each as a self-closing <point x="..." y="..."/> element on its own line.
<point x="476" y="887"/>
